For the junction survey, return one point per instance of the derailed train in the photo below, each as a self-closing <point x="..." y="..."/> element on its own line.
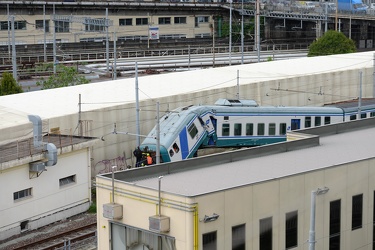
<point x="239" y="123"/>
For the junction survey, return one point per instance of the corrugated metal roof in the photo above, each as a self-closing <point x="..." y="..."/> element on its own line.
<point x="62" y="101"/>
<point x="333" y="150"/>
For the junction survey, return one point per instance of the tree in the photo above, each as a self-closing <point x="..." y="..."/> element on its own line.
<point x="64" y="77"/>
<point x="8" y="85"/>
<point x="332" y="42"/>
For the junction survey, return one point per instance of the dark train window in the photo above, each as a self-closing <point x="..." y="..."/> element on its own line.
<point x="363" y="115"/>
<point x="249" y="129"/>
<point x="282" y="128"/>
<point x="171" y="153"/>
<point x="226" y="118"/>
<point x="327" y="120"/>
<point x="175" y="147"/>
<point x="272" y="129"/>
<point x="225" y="130"/>
<point x="307" y="122"/>
<point x="318" y="121"/>
<point x="372" y="114"/>
<point x="353" y="117"/>
<point x="193" y="131"/>
<point x="260" y="129"/>
<point x="237" y="129"/>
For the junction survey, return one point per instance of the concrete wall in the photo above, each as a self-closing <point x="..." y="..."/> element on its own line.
<point x="49" y="202"/>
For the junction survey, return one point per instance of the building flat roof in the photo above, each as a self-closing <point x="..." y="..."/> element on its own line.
<point x="64" y="101"/>
<point x="332" y="150"/>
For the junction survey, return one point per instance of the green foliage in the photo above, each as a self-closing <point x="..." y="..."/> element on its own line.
<point x="332" y="42"/>
<point x="8" y="85"/>
<point x="65" y="76"/>
<point x="269" y="59"/>
<point x="92" y="208"/>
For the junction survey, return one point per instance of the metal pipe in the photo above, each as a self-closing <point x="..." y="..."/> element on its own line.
<point x="157" y="134"/>
<point x="160" y="177"/>
<point x="137" y="105"/>
<point x="113" y="184"/>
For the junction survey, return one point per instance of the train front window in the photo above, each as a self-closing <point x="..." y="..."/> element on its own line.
<point x="237" y="129"/>
<point x="193" y="131"/>
<point x="260" y="128"/>
<point x="307" y="122"/>
<point x="272" y="129"/>
<point x="282" y="128"/>
<point x="327" y="120"/>
<point x="225" y="130"/>
<point x="318" y="121"/>
<point x="249" y="129"/>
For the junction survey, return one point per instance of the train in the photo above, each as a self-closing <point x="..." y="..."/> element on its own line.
<point x="239" y="123"/>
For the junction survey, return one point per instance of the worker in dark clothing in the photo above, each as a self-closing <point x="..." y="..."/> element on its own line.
<point x="138" y="155"/>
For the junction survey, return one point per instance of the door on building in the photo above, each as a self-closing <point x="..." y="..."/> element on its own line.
<point x="295" y="124"/>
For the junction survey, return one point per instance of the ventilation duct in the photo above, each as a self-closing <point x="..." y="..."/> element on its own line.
<point x="50" y="148"/>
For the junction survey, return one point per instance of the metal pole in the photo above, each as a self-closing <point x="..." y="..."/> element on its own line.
<point x="258" y="29"/>
<point x="114" y="56"/>
<point x="242" y="35"/>
<point x="160" y="177"/>
<point x="373" y="77"/>
<point x="312" y="222"/>
<point x="113" y="184"/>
<point x="230" y="33"/>
<point x="54" y="41"/>
<point x="238" y="85"/>
<point x="213" y="44"/>
<point x="360" y="95"/>
<point x="157" y="134"/>
<point x="14" y="57"/>
<point x="336" y="16"/>
<point x="8" y="32"/>
<point x="137" y="105"/>
<point x="79" y="116"/>
<point x="106" y="40"/>
<point x="189" y="57"/>
<point x="44" y="34"/>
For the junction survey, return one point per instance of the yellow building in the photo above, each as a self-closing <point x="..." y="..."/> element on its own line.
<point x="315" y="192"/>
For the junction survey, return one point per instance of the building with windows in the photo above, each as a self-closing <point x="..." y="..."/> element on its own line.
<point x="315" y="190"/>
<point x="69" y="22"/>
<point x="35" y="193"/>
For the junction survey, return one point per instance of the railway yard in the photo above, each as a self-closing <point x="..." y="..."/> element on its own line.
<point x="77" y="232"/>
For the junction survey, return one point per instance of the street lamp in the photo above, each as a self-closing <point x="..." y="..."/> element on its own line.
<point x="314" y="193"/>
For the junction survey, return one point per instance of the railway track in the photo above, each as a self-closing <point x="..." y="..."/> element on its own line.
<point x="67" y="238"/>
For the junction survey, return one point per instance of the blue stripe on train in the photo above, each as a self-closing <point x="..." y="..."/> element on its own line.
<point x="184" y="143"/>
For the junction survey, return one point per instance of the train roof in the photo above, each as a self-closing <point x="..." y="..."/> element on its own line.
<point x="353" y="105"/>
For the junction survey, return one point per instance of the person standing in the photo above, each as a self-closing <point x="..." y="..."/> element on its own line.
<point x="138" y="155"/>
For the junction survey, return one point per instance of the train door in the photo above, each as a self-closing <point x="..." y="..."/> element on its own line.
<point x="295" y="124"/>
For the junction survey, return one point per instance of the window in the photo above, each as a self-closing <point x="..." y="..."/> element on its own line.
<point x="318" y="121"/>
<point x="363" y="115"/>
<point x="238" y="237"/>
<point x="39" y="25"/>
<point x="237" y="129"/>
<point x="282" y="128"/>
<point x="125" y="22"/>
<point x="372" y="114"/>
<point x="209" y="241"/>
<point x="226" y="118"/>
<point x="291" y="230"/>
<point x="61" y="26"/>
<point x="180" y="20"/>
<point x="334" y="224"/>
<point x="327" y="120"/>
<point x="357" y="205"/>
<point x="94" y="28"/>
<point x="353" y="117"/>
<point x="141" y="21"/>
<point x="164" y="20"/>
<point x="18" y="25"/>
<point x="193" y="131"/>
<point x="201" y="19"/>
<point x="22" y="194"/>
<point x="307" y="121"/>
<point x="260" y="129"/>
<point x="265" y="234"/>
<point x="249" y="129"/>
<point x="176" y="148"/>
<point x="225" y="130"/>
<point x="272" y="129"/>
<point x="67" y="180"/>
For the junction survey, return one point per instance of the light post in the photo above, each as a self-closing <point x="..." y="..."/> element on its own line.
<point x="314" y="193"/>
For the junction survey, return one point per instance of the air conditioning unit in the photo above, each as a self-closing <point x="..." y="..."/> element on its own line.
<point x="159" y="223"/>
<point x="112" y="211"/>
<point x="38" y="166"/>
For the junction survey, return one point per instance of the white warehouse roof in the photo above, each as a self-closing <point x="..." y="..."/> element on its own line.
<point x="63" y="101"/>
